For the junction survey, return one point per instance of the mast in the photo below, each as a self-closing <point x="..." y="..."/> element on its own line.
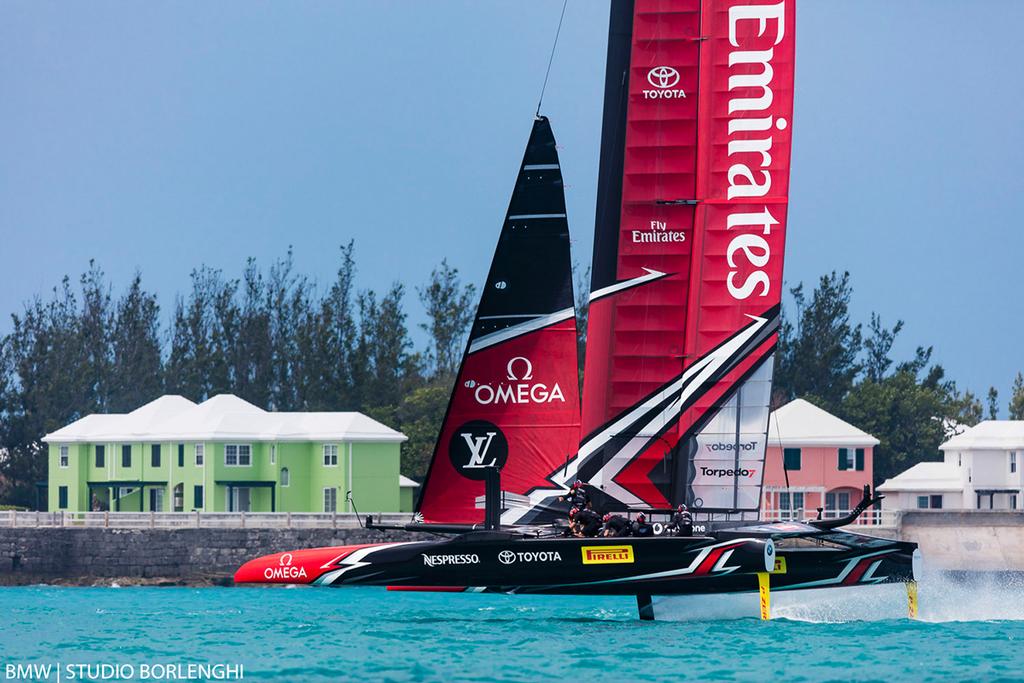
<point x="515" y="404"/>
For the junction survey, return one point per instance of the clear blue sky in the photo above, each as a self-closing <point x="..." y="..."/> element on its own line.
<point x="161" y="135"/>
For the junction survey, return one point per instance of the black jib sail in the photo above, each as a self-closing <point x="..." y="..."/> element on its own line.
<point x="515" y="403"/>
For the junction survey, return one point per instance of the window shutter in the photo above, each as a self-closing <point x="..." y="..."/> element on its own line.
<point x="860" y="459"/>
<point x="791" y="459"/>
<point x="842" y="459"/>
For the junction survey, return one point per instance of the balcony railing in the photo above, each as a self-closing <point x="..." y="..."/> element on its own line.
<point x="327" y="520"/>
<point x="873" y="518"/>
<point x="194" y="520"/>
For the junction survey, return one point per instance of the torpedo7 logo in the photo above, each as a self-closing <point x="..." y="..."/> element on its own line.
<point x="739" y="472"/>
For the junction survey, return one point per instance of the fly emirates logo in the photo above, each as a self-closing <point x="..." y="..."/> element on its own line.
<point x="755" y="31"/>
<point x="519" y="387"/>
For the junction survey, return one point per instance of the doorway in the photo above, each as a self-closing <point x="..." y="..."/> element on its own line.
<point x="241" y="499"/>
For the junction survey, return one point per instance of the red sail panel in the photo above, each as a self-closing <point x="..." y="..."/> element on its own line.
<point x="698" y="240"/>
<point x="634" y="343"/>
<point x="516" y="405"/>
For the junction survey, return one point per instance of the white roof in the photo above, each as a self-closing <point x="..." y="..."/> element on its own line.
<point x="221" y="418"/>
<point x="406" y="481"/>
<point x="1000" y="435"/>
<point x="800" y="423"/>
<point x="925" y="476"/>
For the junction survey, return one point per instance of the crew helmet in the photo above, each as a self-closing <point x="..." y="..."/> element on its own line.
<point x="607" y="517"/>
<point x="641" y="517"/>
<point x="682" y="507"/>
<point x="572" y="513"/>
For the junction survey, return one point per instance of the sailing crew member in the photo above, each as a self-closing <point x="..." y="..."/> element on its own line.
<point x="682" y="521"/>
<point x="616" y="525"/>
<point x="588" y="523"/>
<point x="641" y="527"/>
<point x="577" y="496"/>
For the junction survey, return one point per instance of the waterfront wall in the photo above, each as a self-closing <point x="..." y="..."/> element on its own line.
<point x="193" y="556"/>
<point x="969" y="540"/>
<point x="976" y="540"/>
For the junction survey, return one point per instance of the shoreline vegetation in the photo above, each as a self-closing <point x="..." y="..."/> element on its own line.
<point x="285" y="341"/>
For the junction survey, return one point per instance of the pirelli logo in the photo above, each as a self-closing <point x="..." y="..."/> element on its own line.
<point x="607" y="554"/>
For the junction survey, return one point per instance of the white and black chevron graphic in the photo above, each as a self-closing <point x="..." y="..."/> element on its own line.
<point x="609" y="450"/>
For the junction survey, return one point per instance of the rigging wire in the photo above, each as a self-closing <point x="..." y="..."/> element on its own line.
<point x="552" y="57"/>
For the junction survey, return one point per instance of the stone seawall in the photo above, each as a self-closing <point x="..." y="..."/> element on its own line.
<point x="191" y="556"/>
<point x="968" y="540"/>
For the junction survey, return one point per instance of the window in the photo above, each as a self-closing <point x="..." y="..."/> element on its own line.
<point x="1013" y="501"/>
<point x="330" y="455"/>
<point x="238" y="455"/>
<point x="286" y="477"/>
<point x="922" y="502"/>
<point x="830" y="502"/>
<point x="844" y="500"/>
<point x="156" y="500"/>
<point x="63" y="456"/>
<point x="179" y="498"/>
<point x="181" y="455"/>
<point x="847" y="459"/>
<point x="790" y="503"/>
<point x="200" y="452"/>
<point x="62" y="497"/>
<point x="791" y="459"/>
<point x="1013" y="463"/>
<point x="154" y="457"/>
<point x="936" y="502"/>
<point x="126" y="455"/>
<point x="101" y="453"/>
<point x="330" y="499"/>
<point x="125" y="491"/>
<point x="273" y="454"/>
<point x="197" y="497"/>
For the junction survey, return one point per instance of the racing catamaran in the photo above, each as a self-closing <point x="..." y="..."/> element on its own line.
<point x="682" y="326"/>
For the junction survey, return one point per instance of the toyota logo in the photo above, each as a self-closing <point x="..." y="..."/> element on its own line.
<point x="663" y="77"/>
<point x="506" y="557"/>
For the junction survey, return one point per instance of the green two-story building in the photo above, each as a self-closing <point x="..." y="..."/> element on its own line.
<point x="225" y="455"/>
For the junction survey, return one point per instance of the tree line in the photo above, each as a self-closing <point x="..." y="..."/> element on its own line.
<point x="273" y="337"/>
<point x="909" y="405"/>
<point x="285" y="342"/>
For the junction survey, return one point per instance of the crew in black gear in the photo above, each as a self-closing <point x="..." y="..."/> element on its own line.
<point x="577" y="496"/>
<point x="641" y="527"/>
<point x="588" y="523"/>
<point x="616" y="525"/>
<point x="682" y="522"/>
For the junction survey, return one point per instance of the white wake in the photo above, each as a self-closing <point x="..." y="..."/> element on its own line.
<point x="941" y="597"/>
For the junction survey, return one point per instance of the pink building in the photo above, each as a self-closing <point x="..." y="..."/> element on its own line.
<point x="828" y="462"/>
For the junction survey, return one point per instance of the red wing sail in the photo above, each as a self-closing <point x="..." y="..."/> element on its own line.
<point x="516" y="401"/>
<point x="687" y="272"/>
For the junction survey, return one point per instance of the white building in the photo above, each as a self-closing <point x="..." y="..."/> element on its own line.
<point x="981" y="470"/>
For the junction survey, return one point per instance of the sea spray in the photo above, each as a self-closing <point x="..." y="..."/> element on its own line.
<point x="943" y="597"/>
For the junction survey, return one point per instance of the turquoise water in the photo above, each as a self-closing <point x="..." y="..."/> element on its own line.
<point x="309" y="634"/>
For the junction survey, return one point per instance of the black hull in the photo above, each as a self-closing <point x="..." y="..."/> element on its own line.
<point x="510" y="563"/>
